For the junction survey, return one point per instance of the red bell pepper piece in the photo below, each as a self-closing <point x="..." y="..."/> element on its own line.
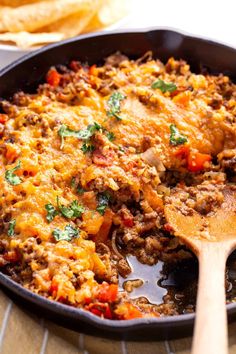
<point x="196" y="161"/>
<point x="53" y="77"/>
<point x="107" y="292"/>
<point x="3" y="118"/>
<point x="100" y="309"/>
<point x="103" y="159"/>
<point x="93" y="70"/>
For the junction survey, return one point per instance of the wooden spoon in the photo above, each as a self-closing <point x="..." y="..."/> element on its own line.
<point x="211" y="238"/>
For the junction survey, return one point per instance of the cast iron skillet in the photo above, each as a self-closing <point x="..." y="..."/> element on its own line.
<point x="27" y="72"/>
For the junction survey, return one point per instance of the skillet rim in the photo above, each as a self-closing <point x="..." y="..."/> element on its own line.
<point x="146" y="30"/>
<point x="80" y="314"/>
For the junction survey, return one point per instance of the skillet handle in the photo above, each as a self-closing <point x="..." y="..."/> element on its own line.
<point x="210" y="331"/>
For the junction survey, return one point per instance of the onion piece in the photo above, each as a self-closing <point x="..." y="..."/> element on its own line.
<point x="151" y="156"/>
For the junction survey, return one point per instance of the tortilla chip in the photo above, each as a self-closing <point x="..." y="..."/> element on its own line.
<point x="31" y="17"/>
<point x="111" y="12"/>
<point x="15" y="3"/>
<point x="24" y="40"/>
<point x="74" y="24"/>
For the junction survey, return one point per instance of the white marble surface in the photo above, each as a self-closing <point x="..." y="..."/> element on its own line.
<point x="213" y="19"/>
<point x="209" y="18"/>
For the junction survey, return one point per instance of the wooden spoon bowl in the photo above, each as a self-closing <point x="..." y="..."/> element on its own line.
<point x="211" y="237"/>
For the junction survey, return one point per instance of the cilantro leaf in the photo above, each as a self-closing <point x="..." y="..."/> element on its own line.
<point x="111" y="136"/>
<point x="164" y="86"/>
<point x="121" y="149"/>
<point x="87" y="147"/>
<point x="103" y="201"/>
<point x="51" y="212"/>
<point x="11" y="227"/>
<point x="83" y="134"/>
<point x="65" y="235"/>
<point x="114" y="104"/>
<point x="74" y="210"/>
<point x="176" y="138"/>
<point x="11" y="177"/>
<point x="77" y="209"/>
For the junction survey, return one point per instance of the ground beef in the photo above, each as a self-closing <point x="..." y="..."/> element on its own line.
<point x="97" y="153"/>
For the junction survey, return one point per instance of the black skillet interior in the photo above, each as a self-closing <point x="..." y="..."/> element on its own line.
<point x="26" y="73"/>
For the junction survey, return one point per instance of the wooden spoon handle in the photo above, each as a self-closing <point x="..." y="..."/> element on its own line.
<point x="210" y="331"/>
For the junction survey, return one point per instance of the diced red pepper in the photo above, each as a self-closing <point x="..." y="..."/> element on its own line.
<point x="127" y="218"/>
<point x="87" y="300"/>
<point x="53" y="288"/>
<point x="182" y="152"/>
<point x="11" y="256"/>
<point x="107" y="292"/>
<point x="103" y="159"/>
<point x="130" y="312"/>
<point x="108" y="313"/>
<point x="197" y="160"/>
<point x="93" y="70"/>
<point x="75" y="65"/>
<point x="100" y="309"/>
<point x="95" y="310"/>
<point x="3" y="118"/>
<point x="53" y="77"/>
<point x="128" y="222"/>
<point x="62" y="299"/>
<point x="168" y="227"/>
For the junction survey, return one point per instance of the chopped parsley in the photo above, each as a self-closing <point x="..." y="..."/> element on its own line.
<point x="114" y="104"/>
<point x="11" y="177"/>
<point x="51" y="212"/>
<point x="11" y="227"/>
<point x="176" y="138"/>
<point x="103" y="201"/>
<point x="74" y="210"/>
<point x="111" y="136"/>
<point x="65" y="235"/>
<point x="164" y="86"/>
<point x="83" y="134"/>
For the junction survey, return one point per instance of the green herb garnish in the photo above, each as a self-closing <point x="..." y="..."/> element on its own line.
<point x="87" y="147"/>
<point x="176" y="138"/>
<point x="80" y="190"/>
<point x="74" y="210"/>
<point x="11" y="227"/>
<point x="11" y="177"/>
<point x="110" y="136"/>
<point x="51" y="212"/>
<point x="164" y="86"/>
<point x="65" y="235"/>
<point x="73" y="182"/>
<point x="103" y="201"/>
<point x="114" y="104"/>
<point x="83" y="134"/>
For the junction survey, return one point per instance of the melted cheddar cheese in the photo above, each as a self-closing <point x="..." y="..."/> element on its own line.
<point x="130" y="159"/>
